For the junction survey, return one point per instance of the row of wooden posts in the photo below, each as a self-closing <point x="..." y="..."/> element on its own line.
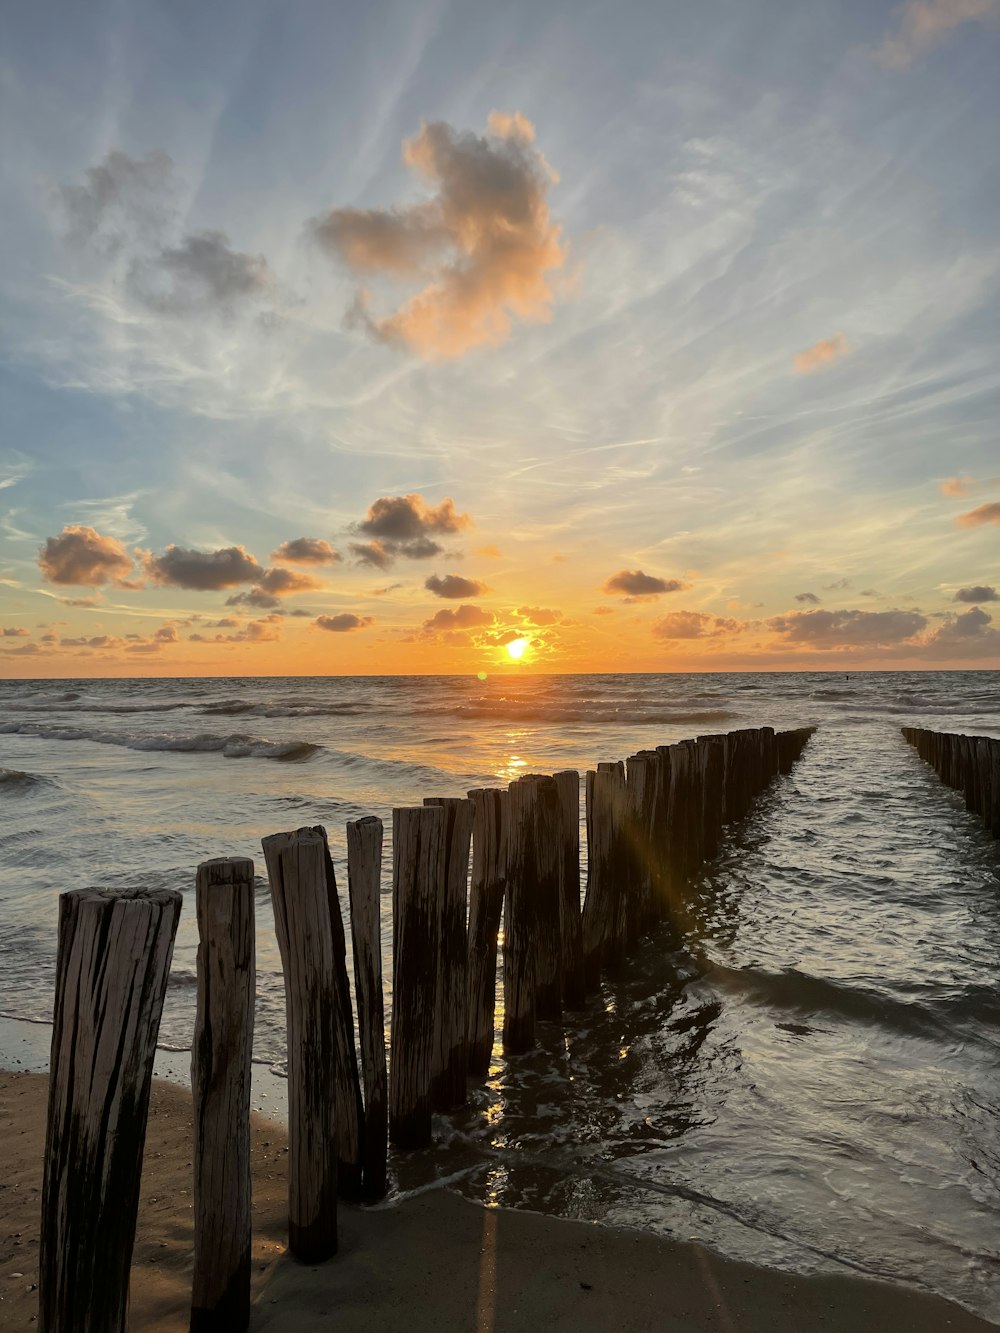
<point x="650" y="822"/>
<point x="970" y="764"/>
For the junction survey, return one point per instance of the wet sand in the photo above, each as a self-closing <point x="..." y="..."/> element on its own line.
<point x="434" y="1262"/>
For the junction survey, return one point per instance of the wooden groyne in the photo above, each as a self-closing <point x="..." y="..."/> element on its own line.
<point x="651" y="822"/>
<point x="970" y="764"/>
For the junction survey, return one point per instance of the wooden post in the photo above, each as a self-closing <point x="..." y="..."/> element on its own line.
<point x="574" y="991"/>
<point x="220" y="1082"/>
<point x="548" y="907"/>
<point x="296" y="867"/>
<point x="111" y="975"/>
<point x="417" y="889"/>
<point x="636" y="859"/>
<point x="451" y="1026"/>
<point x="520" y="906"/>
<point x="600" y="904"/>
<point x="713" y="751"/>
<point x="489" y="876"/>
<point x="364" y="880"/>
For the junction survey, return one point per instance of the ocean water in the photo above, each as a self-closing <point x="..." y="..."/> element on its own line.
<point x="810" y="1080"/>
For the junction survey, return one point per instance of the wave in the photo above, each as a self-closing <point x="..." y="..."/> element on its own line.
<point x="13" y="780"/>
<point x="932" y="1017"/>
<point x="235" y="746"/>
<point x="242" y="708"/>
<point x="600" y="714"/>
<point x="65" y="707"/>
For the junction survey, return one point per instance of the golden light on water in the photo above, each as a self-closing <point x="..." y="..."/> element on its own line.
<point x="516" y="648"/>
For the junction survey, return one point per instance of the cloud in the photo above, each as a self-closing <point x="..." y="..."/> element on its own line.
<point x="482" y="244"/>
<point x="849" y="627"/>
<point x="809" y="598"/>
<point x="539" y="615"/>
<point x="978" y="592"/>
<point x="266" y="630"/>
<point x="820" y="354"/>
<point x="403" y="518"/>
<point x="306" y="551"/>
<point x="200" y="273"/>
<point x="344" y="622"/>
<point x="81" y="556"/>
<point x="695" y="625"/>
<point x="957" y="485"/>
<point x="925" y="23"/>
<point x="25" y="650"/>
<point x="274" y="584"/>
<point x="967" y="634"/>
<point x="125" y="208"/>
<point x="984" y="513"/>
<point x="639" y="586"/>
<point x="489" y="552"/>
<point x="372" y="553"/>
<point x="463" y="617"/>
<point x="202" y="571"/>
<point x="453" y="585"/>
<point x="14" y="632"/>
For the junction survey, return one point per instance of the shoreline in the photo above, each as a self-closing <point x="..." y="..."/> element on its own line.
<point x="432" y="1260"/>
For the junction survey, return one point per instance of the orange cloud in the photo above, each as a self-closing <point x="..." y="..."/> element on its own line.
<point x="484" y="242"/>
<point x="82" y="557"/>
<point x="984" y="513"/>
<point x="820" y="354"/>
<point x="924" y="23"/>
<point x="343" y="623"/>
<point x="638" y="586"/>
<point x="957" y="485"/>
<point x="695" y="625"/>
<point x="453" y="585"/>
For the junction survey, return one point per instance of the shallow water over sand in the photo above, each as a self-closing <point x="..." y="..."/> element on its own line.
<point x="809" y="1078"/>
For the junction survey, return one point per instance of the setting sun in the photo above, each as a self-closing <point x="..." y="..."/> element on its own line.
<point x="516" y="648"/>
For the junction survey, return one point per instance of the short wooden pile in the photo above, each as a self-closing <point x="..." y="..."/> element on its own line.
<point x="651" y="822"/>
<point x="970" y="764"/>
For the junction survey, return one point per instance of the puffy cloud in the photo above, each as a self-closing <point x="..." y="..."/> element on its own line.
<point x="201" y="273"/>
<point x="343" y="623"/>
<point x="482" y="244"/>
<point x="25" y="650"/>
<point x="125" y="207"/>
<point x="695" y="625"/>
<point x="453" y="585"/>
<point x="539" y="615"/>
<point x="984" y="513"/>
<point x="403" y="518"/>
<point x="849" y="627"/>
<point x="462" y="617"/>
<point x="202" y="571"/>
<point x="638" y="586"/>
<point x="820" y="354"/>
<point x="809" y="598"/>
<point x="272" y="585"/>
<point x="978" y="592"/>
<point x="81" y="556"/>
<point x="306" y="551"/>
<point x="967" y="634"/>
<point x="372" y="553"/>
<point x="256" y="631"/>
<point x="925" y="23"/>
<point x="14" y="632"/>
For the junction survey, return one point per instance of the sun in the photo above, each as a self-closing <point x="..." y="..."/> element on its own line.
<point x="516" y="648"/>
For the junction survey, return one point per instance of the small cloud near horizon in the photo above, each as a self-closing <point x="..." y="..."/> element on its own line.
<point x="924" y="24"/>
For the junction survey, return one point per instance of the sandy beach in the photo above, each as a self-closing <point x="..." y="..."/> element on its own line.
<point x="434" y="1262"/>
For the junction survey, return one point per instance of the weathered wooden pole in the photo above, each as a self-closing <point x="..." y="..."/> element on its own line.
<point x="615" y="939"/>
<point x="486" y="891"/>
<point x="418" y="875"/>
<point x="520" y="905"/>
<point x="112" y="965"/>
<point x="713" y="752"/>
<point x="599" y="905"/>
<point x="548" y="906"/>
<point x="574" y="990"/>
<point x="296" y="868"/>
<point x="637" y="851"/>
<point x="364" y="879"/>
<point x="220" y="1082"/>
<point x="450" y="1061"/>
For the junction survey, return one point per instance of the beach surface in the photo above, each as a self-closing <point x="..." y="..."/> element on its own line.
<point x="433" y="1262"/>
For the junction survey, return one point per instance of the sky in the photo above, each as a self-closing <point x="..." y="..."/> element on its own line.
<point x="444" y="336"/>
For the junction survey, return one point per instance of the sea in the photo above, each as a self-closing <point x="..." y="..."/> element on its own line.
<point x="809" y="1079"/>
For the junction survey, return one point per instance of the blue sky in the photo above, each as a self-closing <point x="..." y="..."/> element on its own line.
<point x="735" y="186"/>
